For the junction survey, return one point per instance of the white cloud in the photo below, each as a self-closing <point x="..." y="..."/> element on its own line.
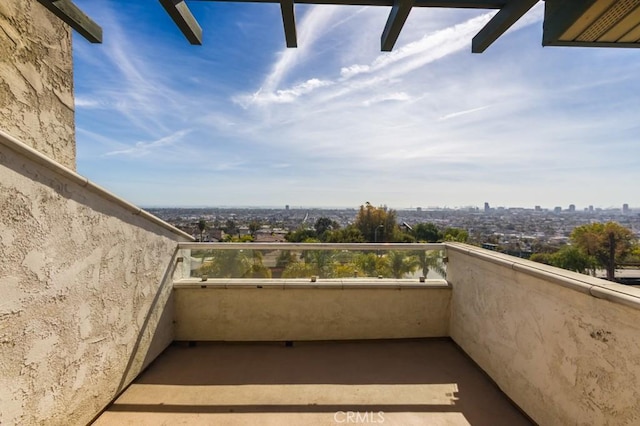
<point x="353" y="70"/>
<point x="310" y="29"/>
<point x="336" y="122"/>
<point x="465" y="112"/>
<point x="281" y="96"/>
<point x="145" y="148"/>
<point x="396" y="96"/>
<point x="82" y="102"/>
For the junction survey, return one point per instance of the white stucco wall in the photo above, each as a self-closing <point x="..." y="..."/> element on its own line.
<point x="85" y="287"/>
<point x="303" y="311"/>
<point x="564" y="356"/>
<point x="36" y="79"/>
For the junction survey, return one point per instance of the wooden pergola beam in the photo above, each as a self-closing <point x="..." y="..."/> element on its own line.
<point x="398" y="16"/>
<point x="75" y="18"/>
<point x="501" y="22"/>
<point x="289" y="22"/>
<point x="184" y="19"/>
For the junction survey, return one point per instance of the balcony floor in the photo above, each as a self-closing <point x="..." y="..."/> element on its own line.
<point x="401" y="382"/>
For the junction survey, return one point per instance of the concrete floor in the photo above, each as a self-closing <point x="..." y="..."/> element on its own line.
<point x="406" y="382"/>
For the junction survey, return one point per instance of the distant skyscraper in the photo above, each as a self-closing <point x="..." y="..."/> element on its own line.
<point x="419" y="209"/>
<point x="557" y="209"/>
<point x="286" y="207"/>
<point x="538" y="208"/>
<point x="487" y="208"/>
<point x="591" y="209"/>
<point x="625" y="208"/>
<point x="572" y="207"/>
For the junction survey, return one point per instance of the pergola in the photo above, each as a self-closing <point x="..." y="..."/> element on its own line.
<point x="590" y="23"/>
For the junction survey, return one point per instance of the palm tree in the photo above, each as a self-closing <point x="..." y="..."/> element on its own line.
<point x="431" y="260"/>
<point x="400" y="264"/>
<point x="202" y="225"/>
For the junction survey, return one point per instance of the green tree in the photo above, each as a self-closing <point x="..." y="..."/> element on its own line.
<point x="254" y="226"/>
<point x="230" y="227"/>
<point x="400" y="263"/>
<point x="608" y="243"/>
<point x="427" y="232"/>
<point x="455" y="234"/>
<point x="285" y="257"/>
<point x="349" y="234"/>
<point x="257" y="269"/>
<point x="324" y="225"/>
<point x="543" y="257"/>
<point x="376" y="224"/>
<point x="368" y="263"/>
<point x="430" y="260"/>
<point x="573" y="259"/>
<point x="202" y="226"/>
<point x="300" y="235"/>
<point x="299" y="269"/>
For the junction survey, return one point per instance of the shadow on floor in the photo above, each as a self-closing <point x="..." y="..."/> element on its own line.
<point x="395" y="376"/>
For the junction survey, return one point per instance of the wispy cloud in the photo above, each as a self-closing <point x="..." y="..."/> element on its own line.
<point x="336" y="122"/>
<point x="383" y="68"/>
<point x="145" y="148"/>
<point x="465" y="112"/>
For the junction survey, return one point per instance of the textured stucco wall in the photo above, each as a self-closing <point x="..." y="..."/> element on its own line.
<point x="85" y="296"/>
<point x="276" y="314"/>
<point x="36" y="79"/>
<point x="565" y="357"/>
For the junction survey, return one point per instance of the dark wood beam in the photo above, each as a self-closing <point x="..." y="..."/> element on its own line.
<point x="184" y="19"/>
<point x="501" y="22"/>
<point x="398" y="16"/>
<point x="289" y="21"/>
<point x="453" y="4"/>
<point x="75" y="18"/>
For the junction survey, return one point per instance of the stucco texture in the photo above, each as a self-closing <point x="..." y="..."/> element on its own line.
<point x="270" y="314"/>
<point x="564" y="356"/>
<point x="85" y="296"/>
<point x="36" y="79"/>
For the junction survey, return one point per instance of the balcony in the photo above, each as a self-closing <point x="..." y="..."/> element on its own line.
<point x="99" y="296"/>
<point x="499" y="341"/>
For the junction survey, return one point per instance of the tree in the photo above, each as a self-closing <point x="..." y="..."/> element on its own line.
<point x="608" y="243"/>
<point x="376" y="224"/>
<point x="573" y="259"/>
<point x="427" y="232"/>
<point x="455" y="234"/>
<point x="428" y="260"/>
<point x="300" y="235"/>
<point x="400" y="263"/>
<point x="230" y="227"/>
<point x="350" y="234"/>
<point x="568" y="257"/>
<point x="324" y="225"/>
<point x="202" y="226"/>
<point x="254" y="225"/>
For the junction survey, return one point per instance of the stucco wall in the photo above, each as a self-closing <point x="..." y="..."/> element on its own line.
<point x="85" y="289"/>
<point x="277" y="312"/>
<point x="564" y="356"/>
<point x="36" y="79"/>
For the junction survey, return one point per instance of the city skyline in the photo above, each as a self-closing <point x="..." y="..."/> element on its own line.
<point x="242" y="121"/>
<point x="564" y="207"/>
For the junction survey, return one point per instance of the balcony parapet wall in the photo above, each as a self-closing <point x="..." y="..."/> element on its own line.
<point x="281" y="310"/>
<point x="561" y="345"/>
<point x="86" y="291"/>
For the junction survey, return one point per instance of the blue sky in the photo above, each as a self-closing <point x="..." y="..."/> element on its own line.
<point x="243" y="121"/>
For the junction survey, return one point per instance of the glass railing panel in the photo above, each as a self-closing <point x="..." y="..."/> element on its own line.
<point x="317" y="261"/>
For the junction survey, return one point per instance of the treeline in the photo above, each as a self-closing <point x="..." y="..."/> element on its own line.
<point x="318" y="263"/>
<point x="595" y="246"/>
<point x="375" y="225"/>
